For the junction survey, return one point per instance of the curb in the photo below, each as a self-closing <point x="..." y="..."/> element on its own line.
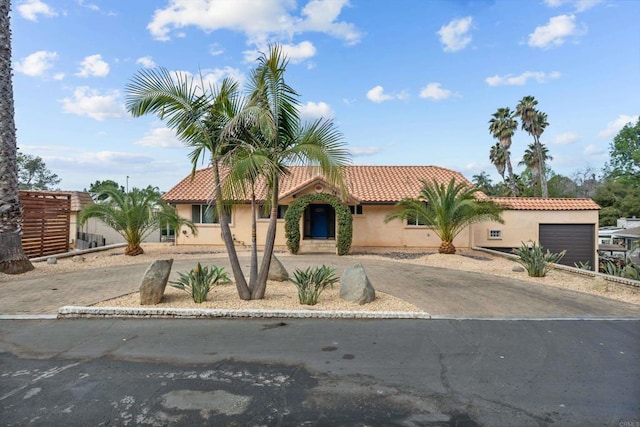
<point x="76" y="312"/>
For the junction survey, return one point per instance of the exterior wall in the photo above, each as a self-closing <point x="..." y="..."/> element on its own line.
<point x="522" y="226"/>
<point x="95" y="226"/>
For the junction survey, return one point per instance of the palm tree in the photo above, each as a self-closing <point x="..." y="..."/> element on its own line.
<point x="277" y="140"/>
<point x="12" y="257"/>
<point x="534" y="122"/>
<point x="198" y="114"/>
<point x="133" y="215"/>
<point x="531" y="161"/>
<point x="502" y="126"/>
<point x="498" y="158"/>
<point x="447" y="209"/>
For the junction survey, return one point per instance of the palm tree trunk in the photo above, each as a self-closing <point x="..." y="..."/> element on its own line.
<point x="512" y="182"/>
<point x="227" y="237"/>
<point x="253" y="273"/>
<point x="12" y="257"/>
<point x="543" y="172"/>
<point x="270" y="239"/>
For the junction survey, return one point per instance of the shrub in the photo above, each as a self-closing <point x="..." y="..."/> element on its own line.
<point x="198" y="282"/>
<point x="583" y="265"/>
<point x="312" y="281"/>
<point x="535" y="260"/>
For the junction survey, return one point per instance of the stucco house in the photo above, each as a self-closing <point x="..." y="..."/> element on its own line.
<point x="370" y="194"/>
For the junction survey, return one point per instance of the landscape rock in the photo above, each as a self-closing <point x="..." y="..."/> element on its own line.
<point x="277" y="272"/>
<point x="77" y="258"/>
<point x="355" y="285"/>
<point x="154" y="281"/>
<point x="52" y="260"/>
<point x="518" y="268"/>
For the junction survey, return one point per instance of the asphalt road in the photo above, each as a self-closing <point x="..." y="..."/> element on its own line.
<point x="319" y="372"/>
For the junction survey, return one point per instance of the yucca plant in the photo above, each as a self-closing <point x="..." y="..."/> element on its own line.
<point x="535" y="260"/>
<point x="312" y="281"/>
<point x="583" y="265"/>
<point x="198" y="282"/>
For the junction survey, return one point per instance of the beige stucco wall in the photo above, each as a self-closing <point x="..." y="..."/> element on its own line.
<point x="522" y="226"/>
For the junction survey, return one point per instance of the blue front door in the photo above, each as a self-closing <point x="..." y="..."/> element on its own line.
<point x="319" y="221"/>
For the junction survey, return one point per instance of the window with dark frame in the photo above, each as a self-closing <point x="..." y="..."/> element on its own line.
<point x="415" y="221"/>
<point x="356" y="210"/>
<point x="204" y="214"/>
<point x="264" y="213"/>
<point x="495" y="234"/>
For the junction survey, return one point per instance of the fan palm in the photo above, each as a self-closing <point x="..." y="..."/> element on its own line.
<point x="534" y="122"/>
<point x="498" y="158"/>
<point x="133" y="215"/>
<point x="502" y="126"/>
<point x="277" y="140"/>
<point x="197" y="114"/>
<point x="447" y="209"/>
<point x="12" y="257"/>
<point x="530" y="160"/>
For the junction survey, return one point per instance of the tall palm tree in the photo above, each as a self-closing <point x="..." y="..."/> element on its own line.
<point x="498" y="158"/>
<point x="12" y="257"/>
<point x="448" y="209"/>
<point x="279" y="140"/>
<point x="530" y="160"/>
<point x="198" y="115"/>
<point x="534" y="122"/>
<point x="133" y="215"/>
<point x="502" y="126"/>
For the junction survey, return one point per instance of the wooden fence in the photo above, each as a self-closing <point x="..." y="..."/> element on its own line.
<point x="47" y="218"/>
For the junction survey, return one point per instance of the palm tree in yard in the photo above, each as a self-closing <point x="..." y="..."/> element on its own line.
<point x="502" y="126"/>
<point x="498" y="158"/>
<point x="133" y="215"/>
<point x="198" y="115"/>
<point x="531" y="161"/>
<point x="275" y="139"/>
<point x="534" y="122"/>
<point x="12" y="257"/>
<point x="447" y="209"/>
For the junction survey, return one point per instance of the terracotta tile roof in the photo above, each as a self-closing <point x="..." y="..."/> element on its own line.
<point x="368" y="184"/>
<point x="539" y="204"/>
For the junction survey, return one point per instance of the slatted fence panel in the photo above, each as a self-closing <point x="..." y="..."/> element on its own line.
<point x="47" y="218"/>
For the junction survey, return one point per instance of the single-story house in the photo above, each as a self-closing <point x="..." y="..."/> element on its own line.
<point x="371" y="194"/>
<point x="630" y="239"/>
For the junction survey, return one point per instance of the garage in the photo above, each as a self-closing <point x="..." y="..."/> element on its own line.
<point x="577" y="239"/>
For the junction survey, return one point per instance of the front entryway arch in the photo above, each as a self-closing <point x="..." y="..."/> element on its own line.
<point x="323" y="216"/>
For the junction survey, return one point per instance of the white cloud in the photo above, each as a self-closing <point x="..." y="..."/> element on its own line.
<point x="315" y="110"/>
<point x="614" y="126"/>
<point x="215" y="49"/>
<point x="299" y="52"/>
<point x="580" y="5"/>
<point x="511" y="80"/>
<point x="455" y="35"/>
<point x="377" y="95"/>
<point x="555" y="32"/>
<point x="58" y="76"/>
<point x="593" y="150"/>
<point x="364" y="151"/>
<point x="89" y="102"/>
<point x="37" y="63"/>
<point x="94" y="66"/>
<point x="566" y="138"/>
<point x="161" y="137"/>
<point x="435" y="92"/>
<point x="258" y="20"/>
<point x="146" y="62"/>
<point x="90" y="6"/>
<point x="211" y="77"/>
<point x="30" y="9"/>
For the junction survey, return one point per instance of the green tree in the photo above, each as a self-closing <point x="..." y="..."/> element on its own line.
<point x="624" y="153"/>
<point x="534" y="122"/>
<point x="447" y="209"/>
<point x="617" y="198"/>
<point x="562" y="186"/>
<point x="531" y="160"/>
<point x="12" y="257"/>
<point x="273" y="139"/>
<point x="198" y="115"/>
<point x="502" y="126"/>
<point x="483" y="182"/>
<point x="133" y="215"/>
<point x="99" y="186"/>
<point x="33" y="173"/>
<point x="498" y="158"/>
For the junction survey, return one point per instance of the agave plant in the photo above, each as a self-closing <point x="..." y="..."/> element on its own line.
<point x="312" y="281"/>
<point x="198" y="282"/>
<point x="535" y="260"/>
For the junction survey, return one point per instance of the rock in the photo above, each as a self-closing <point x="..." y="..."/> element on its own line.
<point x="277" y="272"/>
<point x="52" y="260"/>
<point x="77" y="258"/>
<point x="518" y="268"/>
<point x="154" y="281"/>
<point x="355" y="285"/>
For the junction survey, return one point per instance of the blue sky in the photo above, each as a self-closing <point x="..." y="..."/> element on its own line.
<point x="407" y="82"/>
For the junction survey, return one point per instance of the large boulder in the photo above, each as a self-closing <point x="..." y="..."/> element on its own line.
<point x="154" y="281"/>
<point x="277" y="272"/>
<point x="355" y="285"/>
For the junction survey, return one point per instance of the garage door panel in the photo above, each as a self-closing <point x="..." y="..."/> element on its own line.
<point x="577" y="239"/>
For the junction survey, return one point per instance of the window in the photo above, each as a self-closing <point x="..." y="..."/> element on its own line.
<point x="264" y="213"/>
<point x="495" y="234"/>
<point x="414" y="221"/>
<point x="356" y="210"/>
<point x="204" y="214"/>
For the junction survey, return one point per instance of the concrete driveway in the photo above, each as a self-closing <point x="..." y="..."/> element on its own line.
<point x="438" y="291"/>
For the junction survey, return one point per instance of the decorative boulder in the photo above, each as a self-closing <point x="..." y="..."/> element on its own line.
<point x="277" y="272"/>
<point x="355" y="285"/>
<point x="52" y="260"/>
<point x="154" y="281"/>
<point x="517" y="268"/>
